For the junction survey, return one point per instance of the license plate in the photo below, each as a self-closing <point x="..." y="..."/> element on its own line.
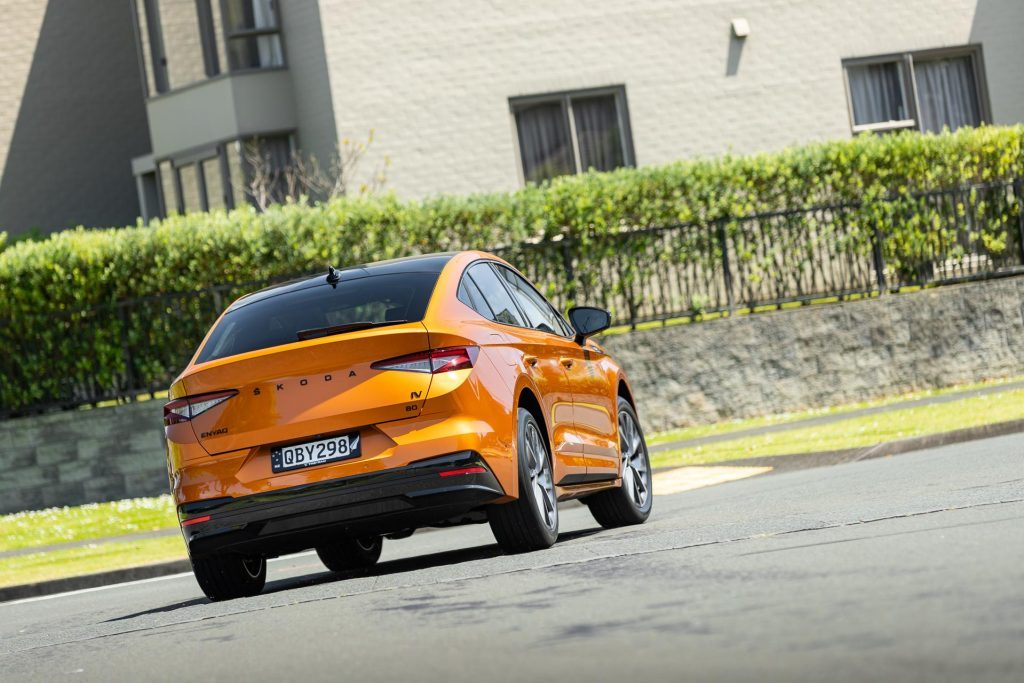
<point x="312" y="453"/>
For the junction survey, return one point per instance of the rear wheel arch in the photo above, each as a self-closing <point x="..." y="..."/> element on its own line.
<point x="624" y="391"/>
<point x="528" y="400"/>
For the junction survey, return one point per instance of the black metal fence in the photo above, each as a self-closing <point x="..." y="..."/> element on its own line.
<point x="133" y="347"/>
<point x="802" y="255"/>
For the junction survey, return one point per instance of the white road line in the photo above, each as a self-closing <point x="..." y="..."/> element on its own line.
<point x="125" y="584"/>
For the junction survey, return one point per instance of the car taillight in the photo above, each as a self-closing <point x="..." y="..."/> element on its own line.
<point x="433" y="361"/>
<point x="187" y="407"/>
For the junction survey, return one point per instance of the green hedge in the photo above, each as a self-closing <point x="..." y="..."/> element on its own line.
<point x="79" y="268"/>
<point x="95" y="348"/>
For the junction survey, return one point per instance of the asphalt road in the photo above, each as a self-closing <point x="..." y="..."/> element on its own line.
<point x="903" y="568"/>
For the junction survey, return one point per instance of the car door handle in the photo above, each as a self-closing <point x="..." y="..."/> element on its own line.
<point x="567" y="362"/>
<point x="530" y="360"/>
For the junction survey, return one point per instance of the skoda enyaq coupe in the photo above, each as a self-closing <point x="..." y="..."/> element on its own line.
<point x="364" y="403"/>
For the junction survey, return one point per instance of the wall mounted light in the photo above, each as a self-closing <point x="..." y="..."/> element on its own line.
<point x="740" y="27"/>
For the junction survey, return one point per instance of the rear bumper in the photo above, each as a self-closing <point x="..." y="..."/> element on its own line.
<point x="301" y="517"/>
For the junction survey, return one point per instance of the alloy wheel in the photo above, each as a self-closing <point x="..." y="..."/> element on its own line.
<point x="540" y="477"/>
<point x="636" y="468"/>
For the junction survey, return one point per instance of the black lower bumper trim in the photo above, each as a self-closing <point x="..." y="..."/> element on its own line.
<point x="303" y="517"/>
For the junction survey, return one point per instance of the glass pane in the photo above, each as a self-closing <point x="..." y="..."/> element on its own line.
<point x="214" y="184"/>
<point x="538" y="312"/>
<point x="247" y="15"/>
<point x="276" y="320"/>
<point x="255" y="52"/>
<point x="598" y="133"/>
<point x="190" y="188"/>
<point x="495" y="294"/>
<point x="470" y="295"/>
<point x="208" y="36"/>
<point x="544" y="142"/>
<point x="146" y="46"/>
<point x="877" y="93"/>
<point x="237" y="180"/>
<point x="267" y="161"/>
<point x="947" y="94"/>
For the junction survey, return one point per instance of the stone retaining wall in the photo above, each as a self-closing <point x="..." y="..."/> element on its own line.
<point x="681" y="375"/>
<point x="824" y="355"/>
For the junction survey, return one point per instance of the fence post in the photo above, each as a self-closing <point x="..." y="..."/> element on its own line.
<point x="1018" y="186"/>
<point x="879" y="260"/>
<point x="723" y="242"/>
<point x="570" y="273"/>
<point x="126" y="351"/>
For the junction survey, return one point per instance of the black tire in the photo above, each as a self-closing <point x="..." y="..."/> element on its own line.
<point x="630" y="503"/>
<point x="226" y="577"/>
<point x="531" y="521"/>
<point x="351" y="553"/>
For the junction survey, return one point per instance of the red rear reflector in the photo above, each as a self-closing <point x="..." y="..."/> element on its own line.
<point x="187" y="407"/>
<point x="196" y="520"/>
<point x="463" y="470"/>
<point x="433" y="361"/>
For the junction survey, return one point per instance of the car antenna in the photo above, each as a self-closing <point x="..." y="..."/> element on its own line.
<point x="333" y="276"/>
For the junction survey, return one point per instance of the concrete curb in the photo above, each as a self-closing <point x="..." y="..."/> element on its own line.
<point x="777" y="462"/>
<point x="73" y="583"/>
<point x="882" y="450"/>
<point x="838" y="417"/>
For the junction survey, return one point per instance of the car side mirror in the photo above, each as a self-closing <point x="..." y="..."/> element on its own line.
<point x="588" y="320"/>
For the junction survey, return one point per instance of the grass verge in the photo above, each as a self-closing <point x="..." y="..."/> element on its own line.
<point x="89" y="559"/>
<point x="783" y="418"/>
<point x="856" y="432"/>
<point x="85" y="522"/>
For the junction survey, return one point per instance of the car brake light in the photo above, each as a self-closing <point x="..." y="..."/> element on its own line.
<point x="187" y="407"/>
<point x="463" y="470"/>
<point x="196" y="520"/>
<point x="433" y="361"/>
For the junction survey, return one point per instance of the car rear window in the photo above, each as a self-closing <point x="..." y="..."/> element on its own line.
<point x="277" y="320"/>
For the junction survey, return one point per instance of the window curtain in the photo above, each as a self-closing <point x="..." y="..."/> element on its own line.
<point x="598" y="134"/>
<point x="877" y="93"/>
<point x="947" y="94"/>
<point x="544" y="142"/>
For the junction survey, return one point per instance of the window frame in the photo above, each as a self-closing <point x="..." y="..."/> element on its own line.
<point x="565" y="98"/>
<point x="208" y="37"/>
<point x="196" y="158"/>
<point x="229" y="34"/>
<point x="494" y="266"/>
<point x="908" y="82"/>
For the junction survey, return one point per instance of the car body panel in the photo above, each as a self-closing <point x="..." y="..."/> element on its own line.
<point x="402" y="417"/>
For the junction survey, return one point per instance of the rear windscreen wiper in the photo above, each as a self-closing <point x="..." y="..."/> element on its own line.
<point x="315" y="332"/>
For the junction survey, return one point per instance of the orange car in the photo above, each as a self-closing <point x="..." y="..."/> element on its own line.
<point x="438" y="390"/>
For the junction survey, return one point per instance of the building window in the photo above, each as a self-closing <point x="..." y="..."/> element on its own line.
<point x="925" y="91"/>
<point x="571" y="132"/>
<point x="208" y="37"/>
<point x="198" y="182"/>
<point x="252" y="31"/>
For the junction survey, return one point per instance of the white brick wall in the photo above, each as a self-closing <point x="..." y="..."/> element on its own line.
<point x="434" y="78"/>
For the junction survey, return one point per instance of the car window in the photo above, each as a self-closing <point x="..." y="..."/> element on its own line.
<point x="470" y="295"/>
<point x="277" y="320"/>
<point x="495" y="294"/>
<point x="540" y="314"/>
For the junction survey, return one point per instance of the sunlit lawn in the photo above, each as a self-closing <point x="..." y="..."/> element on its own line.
<point x="89" y="559"/>
<point x="95" y="520"/>
<point x="783" y="418"/>
<point x="856" y="432"/>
